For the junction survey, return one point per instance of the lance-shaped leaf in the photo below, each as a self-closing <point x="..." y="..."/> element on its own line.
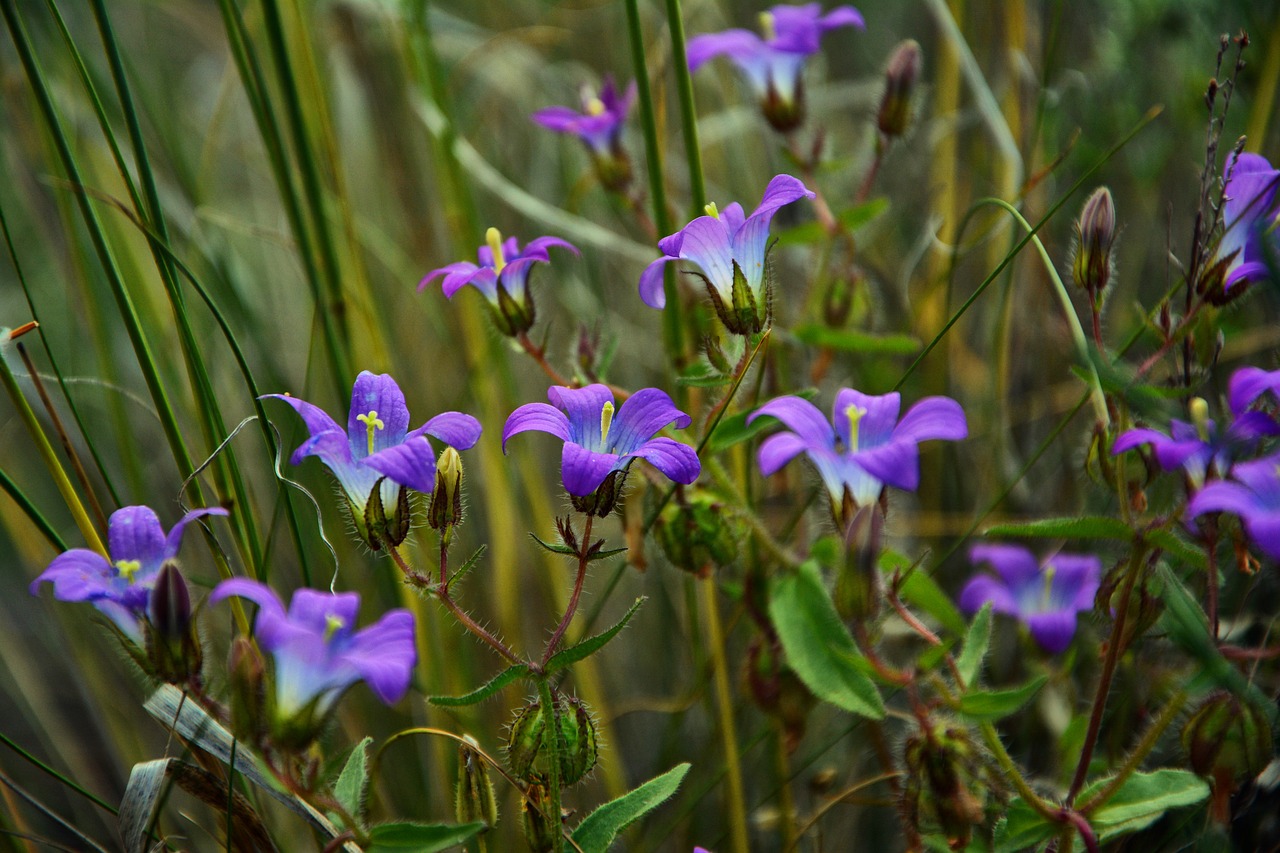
<point x="490" y="687"/>
<point x="597" y="832"/>
<point x="1142" y="799"/>
<point x="591" y="645"/>
<point x="420" y="837"/>
<point x="352" y="788"/>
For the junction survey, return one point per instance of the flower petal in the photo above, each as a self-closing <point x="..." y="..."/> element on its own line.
<point x="706" y="243"/>
<point x="1250" y="383"/>
<point x="983" y="588"/>
<point x="456" y="429"/>
<point x="448" y="271"/>
<point x="933" y="418"/>
<point x="538" y="416"/>
<point x="134" y="533"/>
<point x="640" y="416"/>
<point x="582" y="470"/>
<point x="779" y="449"/>
<point x="752" y="237"/>
<point x="801" y="417"/>
<point x="384" y="655"/>
<point x="651" y="283"/>
<point x="1015" y="564"/>
<point x="378" y="394"/>
<point x="411" y="464"/>
<point x="584" y="407"/>
<point x="271" y="618"/>
<point x="174" y="539"/>
<point x="77" y="575"/>
<point x="561" y="119"/>
<point x="876" y="423"/>
<point x="538" y="246"/>
<point x="328" y="440"/>
<point x="736" y="44"/>
<point x="1076" y="578"/>
<point x="896" y="463"/>
<point x="679" y="462"/>
<point x="1053" y="631"/>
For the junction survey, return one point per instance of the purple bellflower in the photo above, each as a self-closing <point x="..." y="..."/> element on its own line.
<point x="864" y="447"/>
<point x="1249" y="218"/>
<point x="1046" y="598"/>
<point x="318" y="653"/>
<point x="376" y="453"/>
<point x="502" y="276"/>
<point x="1199" y="447"/>
<point x="773" y="64"/>
<point x="599" y="126"/>
<point x="1253" y="494"/>
<point x="599" y="446"/>
<point x="121" y="587"/>
<point x="730" y="248"/>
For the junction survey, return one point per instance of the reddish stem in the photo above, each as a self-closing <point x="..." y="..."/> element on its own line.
<point x="584" y="550"/>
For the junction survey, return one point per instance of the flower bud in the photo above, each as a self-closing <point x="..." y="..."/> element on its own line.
<point x="474" y="796"/>
<point x="513" y="316"/>
<point x="524" y="739"/>
<point x="173" y="647"/>
<point x="1226" y="739"/>
<point x="1095" y="234"/>
<point x="946" y="786"/>
<point x="527" y="747"/>
<point x="446" y="499"/>
<point x="783" y="113"/>
<point x="696" y="533"/>
<point x="613" y="167"/>
<point x="375" y="526"/>
<point x="247" y="674"/>
<point x="900" y="77"/>
<point x="858" y="588"/>
<point x="539" y="832"/>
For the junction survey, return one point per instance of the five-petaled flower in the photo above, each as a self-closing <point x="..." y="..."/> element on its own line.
<point x="1249" y="218"/>
<point x="864" y="447"/>
<point x="1253" y="494"/>
<point x="730" y="248"/>
<point x="600" y="445"/>
<point x="121" y="587"/>
<point x="1046" y="597"/>
<point x="318" y="653"/>
<point x="376" y="453"/>
<point x="502" y="276"/>
<point x="773" y="64"/>
<point x="599" y="126"/>
<point x="1200" y="447"/>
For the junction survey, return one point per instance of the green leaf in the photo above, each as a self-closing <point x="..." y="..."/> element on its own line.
<point x="148" y="786"/>
<point x="1022" y="828"/>
<point x="561" y="548"/>
<point x="920" y="590"/>
<point x="702" y="375"/>
<point x="491" y="687"/>
<point x="852" y="218"/>
<point x="975" y="647"/>
<point x="596" y="833"/>
<point x="818" y="646"/>
<point x="591" y="645"/>
<point x="1188" y="627"/>
<point x="1072" y="527"/>
<point x="352" y="788"/>
<point x="468" y="565"/>
<point x="1178" y="548"/>
<point x="991" y="705"/>
<point x="734" y="429"/>
<point x="850" y="340"/>
<point x="420" y="837"/>
<point x="1142" y="799"/>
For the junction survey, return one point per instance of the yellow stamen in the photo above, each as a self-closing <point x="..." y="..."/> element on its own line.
<point x="606" y="420"/>
<point x="854" y="414"/>
<point x="767" y="27"/>
<point x="712" y="210"/>
<point x="494" y="238"/>
<point x="1200" y="417"/>
<point x="595" y="106"/>
<point x="332" y="623"/>
<point x="372" y="424"/>
<point x="1047" y="594"/>
<point x="128" y="568"/>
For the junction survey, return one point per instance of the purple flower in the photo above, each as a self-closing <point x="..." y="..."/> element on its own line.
<point x="1045" y="597"/>
<point x="773" y="64"/>
<point x="377" y="445"/>
<point x="317" y="651"/>
<point x="502" y="276"/>
<point x="600" y="123"/>
<point x="865" y="446"/>
<point x="1199" y="447"/>
<point x="120" y="587"/>
<point x="730" y="248"/>
<point x="1254" y="496"/>
<point x="599" y="446"/>
<point x="1249" y="214"/>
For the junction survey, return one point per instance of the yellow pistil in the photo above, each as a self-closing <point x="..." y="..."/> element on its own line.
<point x="128" y="568"/>
<point x="606" y="420"/>
<point x="766" y="26"/>
<point x="712" y="210"/>
<point x="1046" y="600"/>
<point x="1200" y="417"/>
<point x="332" y="623"/>
<point x="494" y="238"/>
<point x="372" y="424"/>
<point x="595" y="106"/>
<point x="854" y="414"/>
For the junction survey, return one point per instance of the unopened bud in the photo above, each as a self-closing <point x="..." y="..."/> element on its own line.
<point x="379" y="525"/>
<point x="858" y="588"/>
<point x="900" y="77"/>
<point x="513" y="316"/>
<point x="474" y="798"/>
<point x="1095" y="234"/>
<point x="173" y="648"/>
<point x="947" y="784"/>
<point x="446" y="499"/>
<point x="540" y="832"/>
<point x="602" y="501"/>
<point x="528" y="752"/>
<point x="247" y="674"/>
<point x="697" y="534"/>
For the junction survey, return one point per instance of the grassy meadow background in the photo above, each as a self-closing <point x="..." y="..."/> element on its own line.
<point x="306" y="163"/>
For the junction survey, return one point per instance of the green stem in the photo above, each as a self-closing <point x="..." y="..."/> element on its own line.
<point x="552" y="746"/>
<point x="735" y="796"/>
<point x="1149" y="740"/>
